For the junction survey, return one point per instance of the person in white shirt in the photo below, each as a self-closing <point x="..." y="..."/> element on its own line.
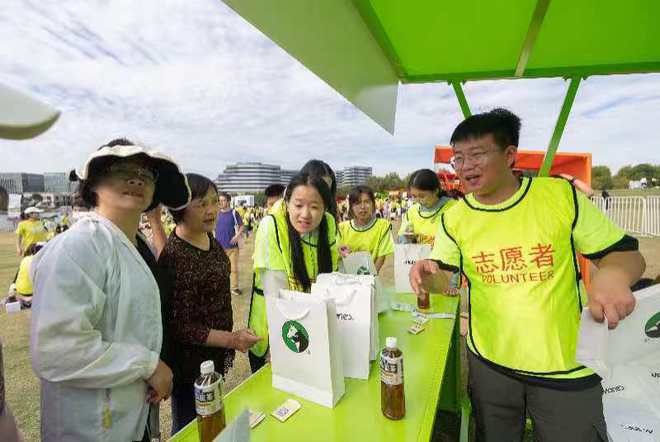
<point x="96" y="320"/>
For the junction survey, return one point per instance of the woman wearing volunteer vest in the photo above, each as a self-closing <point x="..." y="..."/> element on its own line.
<point x="515" y="239"/>
<point x="96" y="317"/>
<point x="291" y="248"/>
<point x="365" y="232"/>
<point x="421" y="222"/>
<point x="322" y="170"/>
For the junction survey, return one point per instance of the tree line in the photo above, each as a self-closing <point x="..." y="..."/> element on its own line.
<point x="380" y="184"/>
<point x="602" y="178"/>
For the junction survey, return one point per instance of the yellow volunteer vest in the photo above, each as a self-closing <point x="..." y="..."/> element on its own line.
<point x="425" y="225"/>
<point x="525" y="295"/>
<point x="278" y="243"/>
<point x="23" y="282"/>
<point x="368" y="239"/>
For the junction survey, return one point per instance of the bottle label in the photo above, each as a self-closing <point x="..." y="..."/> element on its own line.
<point x="208" y="399"/>
<point x="391" y="370"/>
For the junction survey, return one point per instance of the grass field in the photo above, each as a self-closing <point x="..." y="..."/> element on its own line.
<point x="23" y="387"/>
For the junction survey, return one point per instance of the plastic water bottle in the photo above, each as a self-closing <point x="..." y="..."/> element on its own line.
<point x="208" y="403"/>
<point x="392" y="398"/>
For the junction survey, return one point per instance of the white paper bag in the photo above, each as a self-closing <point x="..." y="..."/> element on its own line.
<point x="637" y="337"/>
<point x="628" y="421"/>
<point x="354" y="303"/>
<point x="13" y="307"/>
<point x="405" y="256"/>
<point x="237" y="431"/>
<point x="362" y="263"/>
<point x="333" y="279"/>
<point x="305" y="352"/>
<point x="628" y="360"/>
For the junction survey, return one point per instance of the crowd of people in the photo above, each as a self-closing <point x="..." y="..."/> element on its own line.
<point x="135" y="317"/>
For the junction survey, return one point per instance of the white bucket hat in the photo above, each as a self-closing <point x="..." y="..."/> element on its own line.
<point x="30" y="210"/>
<point x="172" y="188"/>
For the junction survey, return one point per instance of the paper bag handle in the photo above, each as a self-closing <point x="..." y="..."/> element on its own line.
<point x="295" y="314"/>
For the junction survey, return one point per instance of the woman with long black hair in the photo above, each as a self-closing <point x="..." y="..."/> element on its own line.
<point x="291" y="248"/>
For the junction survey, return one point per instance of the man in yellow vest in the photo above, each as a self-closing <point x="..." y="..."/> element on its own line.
<point x="514" y="240"/>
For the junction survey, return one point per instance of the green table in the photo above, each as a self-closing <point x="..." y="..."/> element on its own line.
<point x="431" y="379"/>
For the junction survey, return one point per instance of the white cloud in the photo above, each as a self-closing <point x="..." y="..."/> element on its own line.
<point x="195" y="79"/>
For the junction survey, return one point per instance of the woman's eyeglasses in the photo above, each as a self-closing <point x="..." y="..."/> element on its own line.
<point x="129" y="171"/>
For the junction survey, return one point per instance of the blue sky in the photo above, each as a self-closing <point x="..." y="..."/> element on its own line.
<point x="195" y="80"/>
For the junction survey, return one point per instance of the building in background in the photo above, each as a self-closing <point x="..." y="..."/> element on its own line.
<point x="47" y="200"/>
<point x="354" y="176"/>
<point x="286" y="175"/>
<point x="22" y="182"/>
<point x="251" y="177"/>
<point x="57" y="182"/>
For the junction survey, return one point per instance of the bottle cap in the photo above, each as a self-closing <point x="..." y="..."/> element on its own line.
<point x="390" y="342"/>
<point x="207" y="367"/>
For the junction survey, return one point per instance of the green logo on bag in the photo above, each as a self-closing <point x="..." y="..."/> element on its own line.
<point x="295" y="336"/>
<point x="363" y="270"/>
<point x="652" y="328"/>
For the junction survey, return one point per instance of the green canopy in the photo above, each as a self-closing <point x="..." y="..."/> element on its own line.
<point x="365" y="48"/>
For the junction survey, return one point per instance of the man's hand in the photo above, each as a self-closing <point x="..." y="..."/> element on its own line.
<point x="244" y="339"/>
<point x="161" y="382"/>
<point x="344" y="251"/>
<point x="419" y="273"/>
<point x="234" y="240"/>
<point x="610" y="296"/>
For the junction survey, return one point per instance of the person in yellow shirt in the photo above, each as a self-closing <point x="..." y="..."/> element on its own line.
<point x="273" y="193"/>
<point x="292" y="247"/>
<point x="365" y="232"/>
<point x="30" y="231"/>
<point x="22" y="282"/>
<point x="422" y="220"/>
<point x="515" y="241"/>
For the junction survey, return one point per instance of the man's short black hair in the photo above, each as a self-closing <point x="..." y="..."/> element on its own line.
<point x="502" y="124"/>
<point x="274" y="190"/>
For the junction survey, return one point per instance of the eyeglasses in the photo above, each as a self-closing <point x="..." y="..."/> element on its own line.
<point x="129" y="171"/>
<point x="479" y="158"/>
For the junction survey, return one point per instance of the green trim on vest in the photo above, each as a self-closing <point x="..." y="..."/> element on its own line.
<point x="525" y="295"/>
<point x="257" y="319"/>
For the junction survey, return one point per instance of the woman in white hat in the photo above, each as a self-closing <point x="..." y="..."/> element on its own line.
<point x="96" y="321"/>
